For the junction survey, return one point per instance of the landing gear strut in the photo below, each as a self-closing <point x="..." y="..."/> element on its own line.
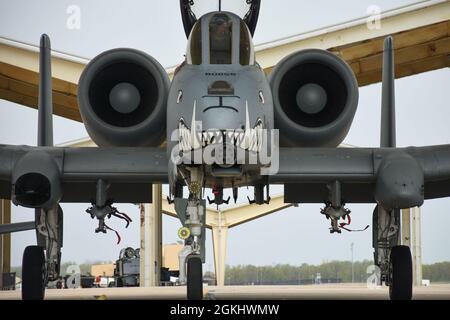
<point x="393" y="259"/>
<point x="42" y="263"/>
<point x="191" y="212"/>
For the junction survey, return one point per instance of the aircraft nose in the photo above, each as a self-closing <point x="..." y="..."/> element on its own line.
<point x="212" y="125"/>
<point x="222" y="118"/>
<point x="222" y="113"/>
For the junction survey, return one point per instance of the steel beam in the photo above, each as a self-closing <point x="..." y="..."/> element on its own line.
<point x="237" y="215"/>
<point x="8" y="228"/>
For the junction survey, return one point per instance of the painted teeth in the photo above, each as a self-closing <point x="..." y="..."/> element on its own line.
<point x="195" y="143"/>
<point x="248" y="139"/>
<point x="184" y="137"/>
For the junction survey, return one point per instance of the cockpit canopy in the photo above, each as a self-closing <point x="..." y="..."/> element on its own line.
<point x="238" y="7"/>
<point x="220" y="38"/>
<point x="248" y="10"/>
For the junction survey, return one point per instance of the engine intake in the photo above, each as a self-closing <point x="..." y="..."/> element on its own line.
<point x="315" y="99"/>
<point x="122" y="95"/>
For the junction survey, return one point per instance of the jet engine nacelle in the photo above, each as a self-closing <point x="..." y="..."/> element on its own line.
<point x="122" y="95"/>
<point x="36" y="181"/>
<point x="315" y="97"/>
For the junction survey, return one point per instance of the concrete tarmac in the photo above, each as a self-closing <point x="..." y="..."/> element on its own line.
<point x="304" y="292"/>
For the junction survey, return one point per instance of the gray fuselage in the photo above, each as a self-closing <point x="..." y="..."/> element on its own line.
<point x="228" y="94"/>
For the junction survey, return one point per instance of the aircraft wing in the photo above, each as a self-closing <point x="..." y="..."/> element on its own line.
<point x="129" y="171"/>
<point x="366" y="175"/>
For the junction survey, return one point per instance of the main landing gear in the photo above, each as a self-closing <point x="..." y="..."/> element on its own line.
<point x="41" y="263"/>
<point x="33" y="273"/>
<point x="394" y="260"/>
<point x="400" y="273"/>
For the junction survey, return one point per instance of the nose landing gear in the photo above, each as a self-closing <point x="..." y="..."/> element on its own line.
<point x="194" y="278"/>
<point x="191" y="212"/>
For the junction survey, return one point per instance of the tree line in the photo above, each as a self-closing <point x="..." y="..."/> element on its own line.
<point x="330" y="272"/>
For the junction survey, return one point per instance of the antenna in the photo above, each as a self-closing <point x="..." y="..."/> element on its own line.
<point x="388" y="131"/>
<point x="220" y="5"/>
<point x="45" y="105"/>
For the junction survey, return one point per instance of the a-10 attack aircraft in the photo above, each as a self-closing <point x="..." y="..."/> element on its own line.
<point x="221" y="123"/>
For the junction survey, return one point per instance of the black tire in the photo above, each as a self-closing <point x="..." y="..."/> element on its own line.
<point x="33" y="273"/>
<point x="194" y="278"/>
<point x="401" y="274"/>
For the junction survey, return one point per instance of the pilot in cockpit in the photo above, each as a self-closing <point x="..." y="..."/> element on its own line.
<point x="220" y="32"/>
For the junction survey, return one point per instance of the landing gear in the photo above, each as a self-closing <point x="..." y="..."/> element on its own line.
<point x="49" y="233"/>
<point x="191" y="212"/>
<point x="194" y="278"/>
<point x="393" y="259"/>
<point x="33" y="273"/>
<point x="401" y="274"/>
<point x="42" y="263"/>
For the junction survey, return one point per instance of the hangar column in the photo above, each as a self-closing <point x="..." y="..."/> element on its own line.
<point x="232" y="217"/>
<point x="5" y="240"/>
<point x="406" y="228"/>
<point x="220" y="236"/>
<point x="411" y="220"/>
<point x="417" y="245"/>
<point x="151" y="240"/>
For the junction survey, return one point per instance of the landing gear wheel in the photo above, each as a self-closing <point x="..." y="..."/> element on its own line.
<point x="33" y="273"/>
<point x="401" y="274"/>
<point x="194" y="278"/>
<point x="184" y="233"/>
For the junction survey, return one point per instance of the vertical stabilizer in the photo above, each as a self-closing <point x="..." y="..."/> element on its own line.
<point x="45" y="106"/>
<point x="388" y="133"/>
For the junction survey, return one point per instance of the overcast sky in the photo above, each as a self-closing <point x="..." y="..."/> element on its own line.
<point x="296" y="235"/>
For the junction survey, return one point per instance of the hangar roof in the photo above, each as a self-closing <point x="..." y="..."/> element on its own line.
<point x="421" y="33"/>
